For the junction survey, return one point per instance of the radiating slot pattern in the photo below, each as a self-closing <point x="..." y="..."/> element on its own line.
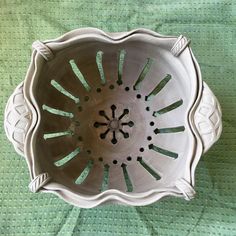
<point x="120" y="66"/>
<point x="163" y="151"/>
<point x="143" y="74"/>
<point x="79" y="75"/>
<point x="62" y="90"/>
<point x="148" y="168"/>
<point x="58" y="134"/>
<point x="67" y="158"/>
<point x="100" y="67"/>
<point x="169" y="130"/>
<point x="84" y="173"/>
<point x="57" y="111"/>
<point x="168" y="108"/>
<point x="105" y="181"/>
<point x="159" y="87"/>
<point x="127" y="178"/>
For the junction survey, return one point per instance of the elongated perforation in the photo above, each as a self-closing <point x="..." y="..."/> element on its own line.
<point x="159" y="87"/>
<point x="169" y="130"/>
<point x="127" y="178"/>
<point x="105" y="181"/>
<point x="100" y="67"/>
<point x="163" y="151"/>
<point x="57" y="134"/>
<point x="62" y="90"/>
<point x="148" y="168"/>
<point x="120" y="66"/>
<point x="143" y="74"/>
<point x="168" y="108"/>
<point x="85" y="173"/>
<point x="79" y="75"/>
<point x="67" y="158"/>
<point x="57" y="111"/>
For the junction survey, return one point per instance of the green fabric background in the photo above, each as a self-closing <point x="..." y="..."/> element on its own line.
<point x="210" y="24"/>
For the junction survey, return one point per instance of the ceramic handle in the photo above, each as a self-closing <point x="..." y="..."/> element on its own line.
<point x="207" y="118"/>
<point x="17" y="119"/>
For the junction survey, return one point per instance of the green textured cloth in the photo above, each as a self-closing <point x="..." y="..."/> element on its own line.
<point x="210" y="24"/>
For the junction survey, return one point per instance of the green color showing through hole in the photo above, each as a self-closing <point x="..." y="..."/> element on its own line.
<point x="57" y="134"/>
<point x="159" y="87"/>
<point x="100" y="67"/>
<point x="67" y="158"/>
<point x="57" y="111"/>
<point x="170" y="130"/>
<point x="84" y="173"/>
<point x="168" y="108"/>
<point x="79" y="75"/>
<point x="163" y="151"/>
<point x="105" y="178"/>
<point x="59" y="88"/>
<point x="148" y="168"/>
<point x="143" y="74"/>
<point x="121" y="60"/>
<point x="127" y="178"/>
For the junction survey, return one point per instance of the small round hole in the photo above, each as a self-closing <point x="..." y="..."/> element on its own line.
<point x="99" y="90"/>
<point x="111" y="86"/>
<point x="126" y="88"/>
<point x="115" y="162"/>
<point x="80" y="109"/>
<point x="147" y="108"/>
<point x="129" y="158"/>
<point x="138" y="96"/>
<point x="151" y="123"/>
<point x="88" y="151"/>
<point x="149" y="138"/>
<point x="100" y="159"/>
<point x="80" y="138"/>
<point x="86" y="98"/>
<point x="141" y="149"/>
<point x="114" y="141"/>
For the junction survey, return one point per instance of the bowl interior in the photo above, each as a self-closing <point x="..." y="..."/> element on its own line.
<point x="114" y="116"/>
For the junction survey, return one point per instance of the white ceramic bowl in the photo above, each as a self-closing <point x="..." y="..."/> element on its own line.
<point x="113" y="117"/>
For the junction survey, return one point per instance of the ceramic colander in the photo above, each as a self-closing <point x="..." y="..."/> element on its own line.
<point x="113" y="117"/>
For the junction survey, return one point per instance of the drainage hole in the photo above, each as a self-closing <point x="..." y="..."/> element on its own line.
<point x="127" y="89"/>
<point x="147" y="108"/>
<point x="86" y="98"/>
<point x="100" y="159"/>
<point x="149" y="138"/>
<point x="129" y="158"/>
<point x="151" y="123"/>
<point x="141" y="149"/>
<point x="115" y="162"/>
<point x="138" y="96"/>
<point x="80" y="109"/>
<point x="99" y="90"/>
<point x="89" y="152"/>
<point x="111" y="86"/>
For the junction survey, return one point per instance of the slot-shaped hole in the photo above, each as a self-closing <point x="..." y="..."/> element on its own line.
<point x="62" y="90"/>
<point x="163" y="151"/>
<point x="148" y="168"/>
<point x="121" y="60"/>
<point x="169" y="130"/>
<point x="57" y="134"/>
<point x="127" y="178"/>
<point x="79" y="75"/>
<point x="105" y="180"/>
<point x="57" y="111"/>
<point x="67" y="158"/>
<point x="84" y="173"/>
<point x="100" y="67"/>
<point x="143" y="74"/>
<point x="168" y="108"/>
<point x="159" y="87"/>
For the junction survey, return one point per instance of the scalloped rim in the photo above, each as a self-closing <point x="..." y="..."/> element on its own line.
<point x="110" y="195"/>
